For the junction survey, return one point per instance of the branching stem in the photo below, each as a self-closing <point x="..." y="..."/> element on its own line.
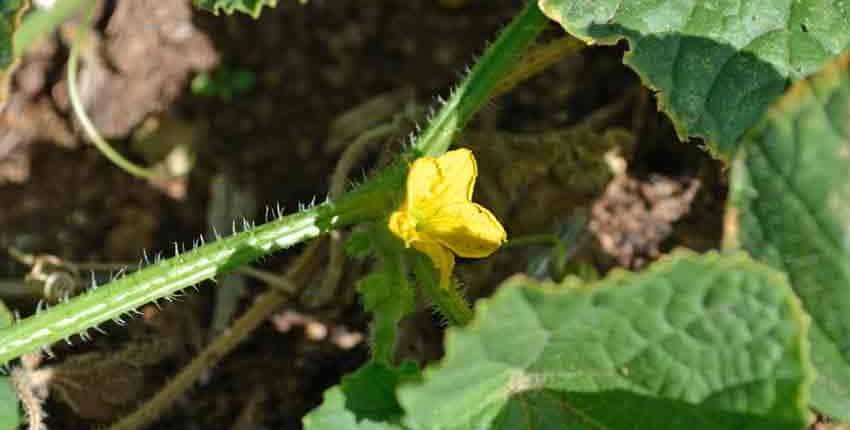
<point x="124" y="295"/>
<point x="369" y="202"/>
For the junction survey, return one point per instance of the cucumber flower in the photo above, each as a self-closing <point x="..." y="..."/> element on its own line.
<point x="438" y="216"/>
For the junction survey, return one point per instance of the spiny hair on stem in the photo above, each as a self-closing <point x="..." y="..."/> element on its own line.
<point x="116" y="276"/>
<point x="442" y="319"/>
<point x="48" y="351"/>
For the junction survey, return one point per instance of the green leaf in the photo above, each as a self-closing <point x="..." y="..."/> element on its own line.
<point x="788" y="206"/>
<point x="365" y="400"/>
<point x="389" y="302"/>
<point x="42" y="22"/>
<point x="11" y="12"/>
<point x="250" y="7"/>
<point x="359" y="244"/>
<point x="717" y="64"/>
<point x="332" y="415"/>
<point x="10" y="414"/>
<point x="370" y="391"/>
<point x="697" y="342"/>
<point x="386" y="293"/>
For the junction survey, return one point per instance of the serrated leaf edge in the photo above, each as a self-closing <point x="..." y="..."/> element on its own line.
<point x="526" y="382"/>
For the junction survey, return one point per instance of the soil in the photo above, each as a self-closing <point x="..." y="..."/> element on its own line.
<point x="319" y="73"/>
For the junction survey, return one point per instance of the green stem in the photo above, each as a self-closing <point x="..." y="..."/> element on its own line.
<point x="448" y="301"/>
<point x="532" y="239"/>
<point x="80" y="112"/>
<point x="370" y="201"/>
<point x="496" y="63"/>
<point x="124" y="295"/>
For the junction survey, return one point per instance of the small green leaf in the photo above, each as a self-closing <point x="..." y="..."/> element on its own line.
<point x="788" y="206"/>
<point x="717" y="64"/>
<point x="697" y="342"/>
<point x="370" y="391"/>
<point x="386" y="293"/>
<point x="359" y="244"/>
<point x="225" y="82"/>
<point x="366" y="400"/>
<point x="250" y="7"/>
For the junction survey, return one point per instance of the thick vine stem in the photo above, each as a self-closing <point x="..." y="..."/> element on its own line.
<point x="125" y="295"/>
<point x="485" y="77"/>
<point x="371" y="201"/>
<point x="264" y="306"/>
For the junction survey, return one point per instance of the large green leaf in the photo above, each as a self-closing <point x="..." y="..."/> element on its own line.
<point x="10" y="17"/>
<point x="697" y="342"/>
<point x="717" y="64"/>
<point x="250" y="7"/>
<point x="11" y="12"/>
<point x="42" y="22"/>
<point x="333" y="415"/>
<point x="790" y="207"/>
<point x="10" y="414"/>
<point x="365" y="400"/>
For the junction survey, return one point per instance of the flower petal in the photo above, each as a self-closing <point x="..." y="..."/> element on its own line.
<point x="468" y="229"/>
<point x="402" y="226"/>
<point x="458" y="170"/>
<point x="434" y="182"/>
<point x="422" y="179"/>
<point x="443" y="260"/>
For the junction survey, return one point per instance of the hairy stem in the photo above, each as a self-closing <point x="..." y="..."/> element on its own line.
<point x="264" y="306"/>
<point x="537" y="60"/>
<point x="371" y="201"/>
<point x="116" y="299"/>
<point x="448" y="301"/>
<point x="484" y="78"/>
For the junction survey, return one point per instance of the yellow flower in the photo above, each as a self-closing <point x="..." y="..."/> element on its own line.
<point x="438" y="216"/>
